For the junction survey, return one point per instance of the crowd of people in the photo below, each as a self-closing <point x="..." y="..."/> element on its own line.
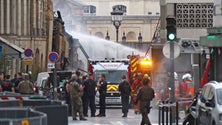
<point x="81" y="91"/>
<point x="21" y="83"/>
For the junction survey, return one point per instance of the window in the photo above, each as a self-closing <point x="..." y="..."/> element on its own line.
<point x="112" y="76"/>
<point x="90" y="9"/>
<point x="219" y="96"/>
<point x="119" y="8"/>
<point x="206" y="91"/>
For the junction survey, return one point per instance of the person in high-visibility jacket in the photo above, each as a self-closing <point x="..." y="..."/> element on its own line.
<point x="135" y="87"/>
<point x="186" y="90"/>
<point x="188" y="86"/>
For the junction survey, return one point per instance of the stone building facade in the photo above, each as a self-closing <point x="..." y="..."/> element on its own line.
<point x="93" y="17"/>
<point x="28" y="24"/>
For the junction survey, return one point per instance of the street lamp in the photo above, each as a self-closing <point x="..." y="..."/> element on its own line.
<point x="117" y="17"/>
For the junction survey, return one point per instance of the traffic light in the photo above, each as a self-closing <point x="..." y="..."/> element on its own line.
<point x="171" y="28"/>
<point x="169" y="88"/>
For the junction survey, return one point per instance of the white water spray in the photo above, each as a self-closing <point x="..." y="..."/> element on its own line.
<point x="98" y="48"/>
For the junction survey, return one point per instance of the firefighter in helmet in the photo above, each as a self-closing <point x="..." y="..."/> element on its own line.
<point x="146" y="76"/>
<point x="189" y="86"/>
<point x="186" y="89"/>
<point x="136" y="85"/>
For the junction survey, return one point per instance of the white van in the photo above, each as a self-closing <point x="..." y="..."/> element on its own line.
<point x="41" y="80"/>
<point x="42" y="77"/>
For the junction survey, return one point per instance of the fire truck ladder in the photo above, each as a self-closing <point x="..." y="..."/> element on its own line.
<point x="156" y="36"/>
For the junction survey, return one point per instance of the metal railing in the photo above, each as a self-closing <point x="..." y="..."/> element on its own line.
<point x="168" y="113"/>
<point x="22" y="116"/>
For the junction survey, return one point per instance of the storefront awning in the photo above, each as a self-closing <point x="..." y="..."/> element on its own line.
<point x="9" y="49"/>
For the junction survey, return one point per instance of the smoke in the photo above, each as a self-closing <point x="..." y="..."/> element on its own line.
<point x="98" y="48"/>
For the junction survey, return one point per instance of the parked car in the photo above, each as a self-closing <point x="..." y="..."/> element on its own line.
<point x="45" y="83"/>
<point x="209" y="105"/>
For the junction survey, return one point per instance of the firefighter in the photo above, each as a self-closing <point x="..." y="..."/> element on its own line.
<point x="137" y="84"/>
<point x="186" y="90"/>
<point x="187" y="86"/>
<point x="75" y="97"/>
<point x="148" y="77"/>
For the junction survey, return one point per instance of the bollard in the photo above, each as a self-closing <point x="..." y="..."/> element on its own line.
<point x="163" y="113"/>
<point x="167" y="111"/>
<point x="159" y="116"/>
<point x="177" y="115"/>
<point x="167" y="108"/>
<point x="171" y="116"/>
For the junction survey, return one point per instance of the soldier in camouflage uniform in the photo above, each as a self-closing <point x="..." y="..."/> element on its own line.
<point x="25" y="86"/>
<point x="75" y="97"/>
<point x="145" y="95"/>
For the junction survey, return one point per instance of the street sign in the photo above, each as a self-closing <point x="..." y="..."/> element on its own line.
<point x="166" y="50"/>
<point x="27" y="61"/>
<point x="53" y="56"/>
<point x="28" y="52"/>
<point x="51" y="65"/>
<point x="211" y="41"/>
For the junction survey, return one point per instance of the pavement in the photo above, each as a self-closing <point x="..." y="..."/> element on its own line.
<point x="114" y="117"/>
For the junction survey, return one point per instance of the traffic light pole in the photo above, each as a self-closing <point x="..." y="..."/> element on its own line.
<point x="172" y="82"/>
<point x="171" y="37"/>
<point x="172" y="93"/>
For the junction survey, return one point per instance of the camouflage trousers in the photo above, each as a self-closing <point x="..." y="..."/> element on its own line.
<point x="77" y="107"/>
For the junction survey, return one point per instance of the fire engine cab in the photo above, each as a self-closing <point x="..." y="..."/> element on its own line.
<point x="113" y="69"/>
<point x="138" y="64"/>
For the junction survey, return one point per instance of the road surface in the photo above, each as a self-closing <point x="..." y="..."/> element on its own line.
<point x="114" y="117"/>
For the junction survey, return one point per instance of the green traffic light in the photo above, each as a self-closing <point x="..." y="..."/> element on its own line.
<point x="169" y="88"/>
<point x="171" y="36"/>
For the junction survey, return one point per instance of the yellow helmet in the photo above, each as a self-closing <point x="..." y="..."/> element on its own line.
<point x="146" y="76"/>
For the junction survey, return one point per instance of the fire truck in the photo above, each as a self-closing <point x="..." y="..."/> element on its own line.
<point x="113" y="69"/>
<point x="138" y="64"/>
